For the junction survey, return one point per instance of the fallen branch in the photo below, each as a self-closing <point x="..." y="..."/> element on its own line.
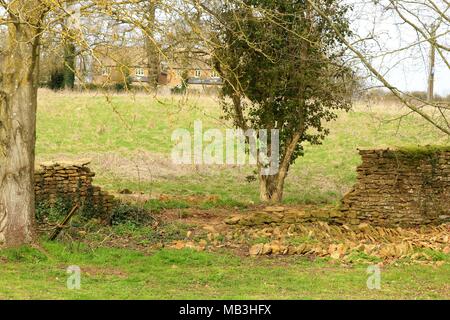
<point x="61" y="226"/>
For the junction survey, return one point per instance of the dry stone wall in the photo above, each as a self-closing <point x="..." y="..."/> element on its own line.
<point x="400" y="187"/>
<point x="71" y="182"/>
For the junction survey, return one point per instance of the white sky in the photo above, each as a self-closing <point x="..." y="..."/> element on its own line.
<point x="407" y="69"/>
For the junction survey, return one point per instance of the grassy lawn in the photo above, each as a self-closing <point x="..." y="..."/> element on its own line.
<point x="106" y="273"/>
<point x="129" y="140"/>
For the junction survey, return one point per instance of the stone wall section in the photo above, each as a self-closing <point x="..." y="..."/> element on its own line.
<point x="395" y="187"/>
<point x="70" y="181"/>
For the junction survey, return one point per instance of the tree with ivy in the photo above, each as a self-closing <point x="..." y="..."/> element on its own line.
<point x="283" y="68"/>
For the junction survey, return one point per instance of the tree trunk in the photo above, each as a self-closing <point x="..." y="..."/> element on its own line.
<point x="68" y="41"/>
<point x="69" y="64"/>
<point x="271" y="188"/>
<point x="151" y="45"/>
<point x="18" y="100"/>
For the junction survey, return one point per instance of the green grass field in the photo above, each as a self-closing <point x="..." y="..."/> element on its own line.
<point x="128" y="139"/>
<point x="107" y="273"/>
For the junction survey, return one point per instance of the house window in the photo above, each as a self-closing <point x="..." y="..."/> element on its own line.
<point x="214" y="74"/>
<point x="139" y="72"/>
<point x="198" y="73"/>
<point x="106" y="71"/>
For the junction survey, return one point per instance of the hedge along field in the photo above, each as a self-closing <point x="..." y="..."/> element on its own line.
<point x="128" y="138"/>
